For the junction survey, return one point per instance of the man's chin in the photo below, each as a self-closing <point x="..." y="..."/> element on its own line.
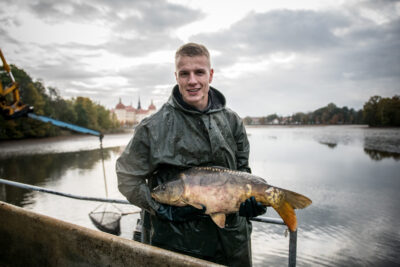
<point x="194" y="101"/>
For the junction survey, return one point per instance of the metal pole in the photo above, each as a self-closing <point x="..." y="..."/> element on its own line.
<point x="292" y="237"/>
<point x="62" y="124"/>
<point x="292" y="248"/>
<point x="41" y="189"/>
<point x="268" y="220"/>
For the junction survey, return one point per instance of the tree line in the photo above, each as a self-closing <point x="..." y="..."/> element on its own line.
<point x="80" y="111"/>
<point x="377" y="111"/>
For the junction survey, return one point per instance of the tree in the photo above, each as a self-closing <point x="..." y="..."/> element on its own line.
<point x="380" y="111"/>
<point x="370" y="111"/>
<point x="48" y="102"/>
<point x="247" y="120"/>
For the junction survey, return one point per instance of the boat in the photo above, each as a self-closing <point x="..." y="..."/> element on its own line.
<point x="32" y="239"/>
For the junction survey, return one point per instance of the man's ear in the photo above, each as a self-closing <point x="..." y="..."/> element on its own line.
<point x="211" y="75"/>
<point x="176" y="76"/>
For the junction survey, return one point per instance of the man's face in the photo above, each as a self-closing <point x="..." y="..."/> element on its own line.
<point x="194" y="75"/>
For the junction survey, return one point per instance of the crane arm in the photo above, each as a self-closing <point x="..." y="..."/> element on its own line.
<point x="12" y="107"/>
<point x="10" y="102"/>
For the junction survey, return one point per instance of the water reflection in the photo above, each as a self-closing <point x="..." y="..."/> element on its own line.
<point x="43" y="168"/>
<point x="385" y="139"/>
<point x="353" y="220"/>
<point x="330" y="145"/>
<point x="380" y="155"/>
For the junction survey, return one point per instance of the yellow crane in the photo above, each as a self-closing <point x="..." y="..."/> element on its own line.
<point x="10" y="101"/>
<point x="11" y="106"/>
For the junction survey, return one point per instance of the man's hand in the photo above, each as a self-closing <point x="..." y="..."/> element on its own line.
<point x="251" y="208"/>
<point x="178" y="214"/>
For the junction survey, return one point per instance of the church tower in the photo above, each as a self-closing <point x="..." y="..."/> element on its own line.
<point x="139" y="106"/>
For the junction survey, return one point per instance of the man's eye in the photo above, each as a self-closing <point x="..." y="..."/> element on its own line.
<point x="200" y="72"/>
<point x="183" y="74"/>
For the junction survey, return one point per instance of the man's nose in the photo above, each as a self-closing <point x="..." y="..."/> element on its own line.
<point x="192" y="78"/>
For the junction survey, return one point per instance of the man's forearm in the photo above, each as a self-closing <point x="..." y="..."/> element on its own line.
<point x="136" y="192"/>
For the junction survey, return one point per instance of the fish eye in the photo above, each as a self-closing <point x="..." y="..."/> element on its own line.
<point x="163" y="187"/>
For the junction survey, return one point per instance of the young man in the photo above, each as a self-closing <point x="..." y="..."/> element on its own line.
<point x="194" y="128"/>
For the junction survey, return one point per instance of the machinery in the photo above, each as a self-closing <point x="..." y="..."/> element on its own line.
<point x="10" y="102"/>
<point x="11" y="105"/>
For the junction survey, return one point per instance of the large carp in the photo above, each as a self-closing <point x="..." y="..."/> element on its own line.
<point x="222" y="190"/>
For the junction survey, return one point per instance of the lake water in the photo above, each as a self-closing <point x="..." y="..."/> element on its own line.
<point x="352" y="174"/>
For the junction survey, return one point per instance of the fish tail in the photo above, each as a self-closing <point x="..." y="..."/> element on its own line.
<point x="296" y="200"/>
<point x="284" y="202"/>
<point x="287" y="214"/>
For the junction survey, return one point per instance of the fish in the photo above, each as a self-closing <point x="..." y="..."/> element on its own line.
<point x="221" y="191"/>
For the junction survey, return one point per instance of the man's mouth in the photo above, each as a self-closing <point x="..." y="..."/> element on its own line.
<point x="193" y="91"/>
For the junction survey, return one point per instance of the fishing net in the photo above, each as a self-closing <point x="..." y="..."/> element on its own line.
<point x="107" y="218"/>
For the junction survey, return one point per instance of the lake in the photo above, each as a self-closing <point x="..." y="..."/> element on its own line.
<point x="352" y="174"/>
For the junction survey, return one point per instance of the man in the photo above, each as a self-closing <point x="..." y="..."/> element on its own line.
<point x="194" y="128"/>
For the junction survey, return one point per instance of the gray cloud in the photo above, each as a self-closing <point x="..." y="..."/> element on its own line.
<point x="364" y="50"/>
<point x="7" y="38"/>
<point x="141" y="46"/>
<point x="158" y="16"/>
<point x="149" y="75"/>
<point x="140" y="16"/>
<point x="342" y="55"/>
<point x="59" y="11"/>
<point x="356" y="56"/>
<point x="151" y="26"/>
<point x="281" y="30"/>
<point x="138" y="27"/>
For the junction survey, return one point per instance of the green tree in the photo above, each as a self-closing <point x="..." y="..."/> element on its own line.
<point x="48" y="102"/>
<point x="247" y="120"/>
<point x="380" y="111"/>
<point x="370" y="111"/>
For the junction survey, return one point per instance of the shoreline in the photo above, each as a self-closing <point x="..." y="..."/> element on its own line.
<point x="71" y="136"/>
<point x="61" y="144"/>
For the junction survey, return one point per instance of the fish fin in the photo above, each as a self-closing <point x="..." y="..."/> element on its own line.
<point x="284" y="202"/>
<point x="296" y="200"/>
<point x="287" y="214"/>
<point x="197" y="206"/>
<point x="219" y="219"/>
<point x="248" y="192"/>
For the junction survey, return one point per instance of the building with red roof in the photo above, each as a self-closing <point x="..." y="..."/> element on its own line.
<point x="131" y="115"/>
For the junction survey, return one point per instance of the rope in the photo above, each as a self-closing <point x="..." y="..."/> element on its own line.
<point x="104" y="169"/>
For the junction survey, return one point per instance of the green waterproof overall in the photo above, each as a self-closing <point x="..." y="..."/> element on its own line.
<point x="178" y="137"/>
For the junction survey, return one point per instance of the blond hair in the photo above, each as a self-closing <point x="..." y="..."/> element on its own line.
<point x="192" y="50"/>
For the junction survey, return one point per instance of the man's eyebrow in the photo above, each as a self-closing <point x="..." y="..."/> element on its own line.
<point x="194" y="70"/>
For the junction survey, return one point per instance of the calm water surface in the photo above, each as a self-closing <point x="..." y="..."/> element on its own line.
<point x="350" y="172"/>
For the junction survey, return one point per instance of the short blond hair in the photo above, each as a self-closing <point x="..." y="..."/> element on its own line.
<point x="192" y="50"/>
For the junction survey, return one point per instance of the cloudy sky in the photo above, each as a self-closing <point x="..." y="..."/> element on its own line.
<point x="268" y="56"/>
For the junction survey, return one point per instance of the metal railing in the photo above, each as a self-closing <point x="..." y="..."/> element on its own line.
<point x="41" y="189"/>
<point x="292" y="235"/>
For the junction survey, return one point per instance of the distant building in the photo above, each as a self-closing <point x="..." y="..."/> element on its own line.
<point x="131" y="115"/>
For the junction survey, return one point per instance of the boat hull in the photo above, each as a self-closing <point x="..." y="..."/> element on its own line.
<point x="32" y="239"/>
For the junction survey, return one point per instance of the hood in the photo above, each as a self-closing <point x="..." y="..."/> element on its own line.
<point x="216" y="101"/>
